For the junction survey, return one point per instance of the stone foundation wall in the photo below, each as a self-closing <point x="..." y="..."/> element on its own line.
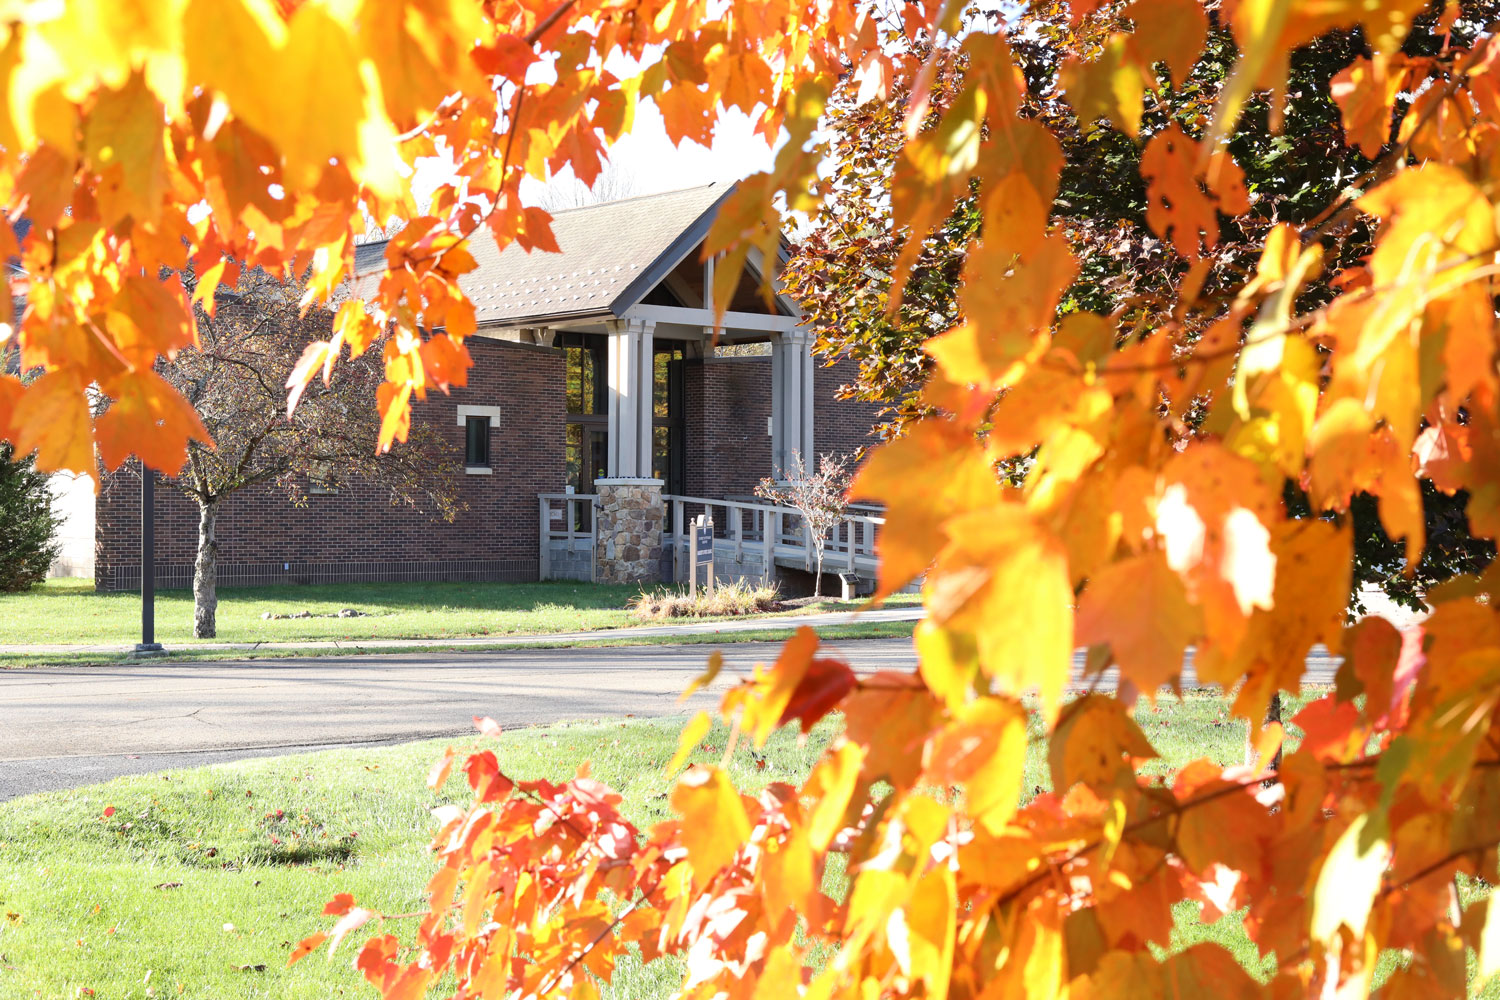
<point x="631" y="514"/>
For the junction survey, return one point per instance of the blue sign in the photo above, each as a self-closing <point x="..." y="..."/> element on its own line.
<point x="704" y="540"/>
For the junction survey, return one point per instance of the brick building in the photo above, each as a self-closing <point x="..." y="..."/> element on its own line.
<point x="595" y="365"/>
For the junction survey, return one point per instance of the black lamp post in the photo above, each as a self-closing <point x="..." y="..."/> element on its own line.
<point x="148" y="646"/>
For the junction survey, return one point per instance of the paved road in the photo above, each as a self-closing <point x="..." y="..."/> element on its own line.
<point x="64" y="727"/>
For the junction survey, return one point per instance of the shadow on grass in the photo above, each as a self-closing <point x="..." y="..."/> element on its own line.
<point x="290" y="856"/>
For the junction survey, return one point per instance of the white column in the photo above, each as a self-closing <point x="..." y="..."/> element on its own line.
<point x="631" y="380"/>
<point x="791" y="398"/>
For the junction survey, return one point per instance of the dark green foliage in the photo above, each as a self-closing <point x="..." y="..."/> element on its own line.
<point x="28" y="527"/>
<point x="1302" y="171"/>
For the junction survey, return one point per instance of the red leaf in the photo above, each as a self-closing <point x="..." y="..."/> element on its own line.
<point x="1332" y="729"/>
<point x="109" y="811"/>
<point x="487" y="727"/>
<point x="340" y="905"/>
<point x="305" y="947"/>
<point x="822" y="687"/>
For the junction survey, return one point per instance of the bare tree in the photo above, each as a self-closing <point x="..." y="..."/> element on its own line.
<point x="236" y="381"/>
<point x="613" y="184"/>
<point x="821" y="497"/>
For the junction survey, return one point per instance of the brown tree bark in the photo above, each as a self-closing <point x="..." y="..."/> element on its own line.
<point x="1273" y="714"/>
<point x="206" y="572"/>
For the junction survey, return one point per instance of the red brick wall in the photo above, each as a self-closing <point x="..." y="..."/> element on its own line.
<point x="356" y="534"/>
<point x="840" y="426"/>
<point x="728" y="404"/>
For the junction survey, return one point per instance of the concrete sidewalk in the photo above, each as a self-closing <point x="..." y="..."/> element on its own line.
<point x="500" y="641"/>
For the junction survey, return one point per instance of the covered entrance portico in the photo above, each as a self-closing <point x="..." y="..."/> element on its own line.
<point x="640" y="393"/>
<point x="627" y="302"/>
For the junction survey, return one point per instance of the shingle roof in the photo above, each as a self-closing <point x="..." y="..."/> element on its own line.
<point x="612" y="254"/>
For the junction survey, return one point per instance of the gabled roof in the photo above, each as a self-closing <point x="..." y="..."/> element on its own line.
<point x="612" y="255"/>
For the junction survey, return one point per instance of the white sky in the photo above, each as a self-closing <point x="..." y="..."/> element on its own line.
<point x="652" y="164"/>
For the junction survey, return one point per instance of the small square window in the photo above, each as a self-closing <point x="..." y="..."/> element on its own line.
<point x="477" y="441"/>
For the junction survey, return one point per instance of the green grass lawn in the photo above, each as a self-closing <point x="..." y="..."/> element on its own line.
<point x="771" y="633"/>
<point x="205" y="878"/>
<point x="69" y="611"/>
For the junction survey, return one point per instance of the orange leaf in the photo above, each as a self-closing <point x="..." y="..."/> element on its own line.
<point x="1169" y="31"/>
<point x="1177" y="209"/>
<point x="52" y="417"/>
<point x="306" y="947"/>
<point x="1095" y="740"/>
<point x="438" y="776"/>
<point x="394" y="402"/>
<point x="339" y="905"/>
<point x="1365" y="92"/>
<point x="1139" y="608"/>
<point x="773" y="690"/>
<point x="984" y="748"/>
<point x="149" y="418"/>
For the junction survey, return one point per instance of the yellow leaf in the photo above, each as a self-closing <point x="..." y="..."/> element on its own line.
<point x="1349" y="879"/>
<point x="687" y="742"/>
<point x="714" y="822"/>
<point x="833" y="781"/>
<point x="984" y="750"/>
<point x="1093" y="744"/>
<point x="1169" y="31"/>
<point x="1003" y="578"/>
<point x="923" y="946"/>
<point x="787" y="876"/>
<point x="123" y="139"/>
<point x="948" y="662"/>
<point x="1365" y="92"/>
<point x="1111" y="85"/>
<point x="959" y="477"/>
<point x="703" y="680"/>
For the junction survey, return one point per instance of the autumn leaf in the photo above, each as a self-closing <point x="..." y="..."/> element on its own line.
<point x="822" y="687"/>
<point x="1094" y="742"/>
<point x="984" y="750"/>
<point x="1139" y="608"/>
<point x="714" y="821"/>
<point x="1003" y="579"/>
<point x="305" y="947"/>
<point x="692" y="734"/>
<point x="1365" y="92"/>
<point x="703" y="680"/>
<point x="1178" y="208"/>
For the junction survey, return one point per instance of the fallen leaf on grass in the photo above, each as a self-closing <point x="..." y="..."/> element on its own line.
<point x="169" y="885"/>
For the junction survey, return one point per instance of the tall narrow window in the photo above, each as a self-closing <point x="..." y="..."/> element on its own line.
<point x="477" y="441"/>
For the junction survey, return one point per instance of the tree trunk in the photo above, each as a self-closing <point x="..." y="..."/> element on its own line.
<point x="1273" y="714"/>
<point x="818" y="574"/>
<point x="206" y="572"/>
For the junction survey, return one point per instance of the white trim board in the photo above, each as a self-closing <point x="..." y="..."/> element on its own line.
<point x="705" y="318"/>
<point x="465" y="412"/>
